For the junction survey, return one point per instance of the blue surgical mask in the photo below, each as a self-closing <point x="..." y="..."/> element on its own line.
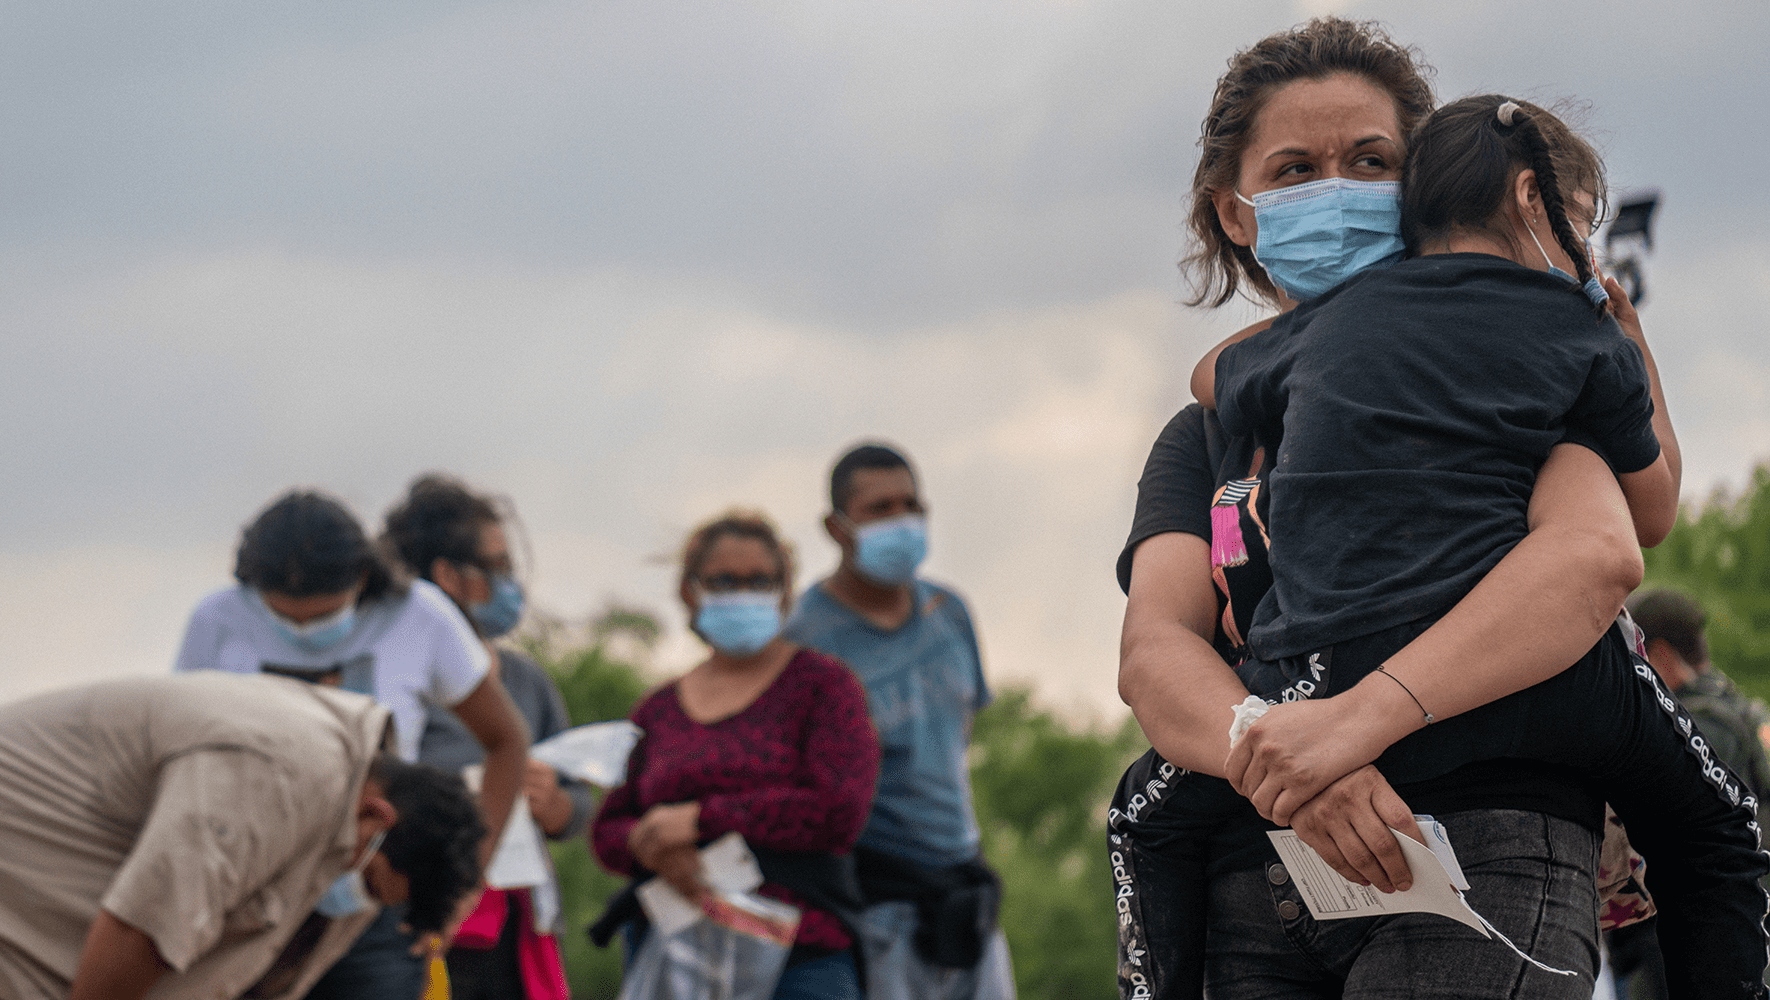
<point x="319" y="634"/>
<point x="1314" y="236"/>
<point x="1593" y="288"/>
<point x="888" y="550"/>
<point x="350" y="894"/>
<point x="740" y="622"/>
<point x="499" y="613"/>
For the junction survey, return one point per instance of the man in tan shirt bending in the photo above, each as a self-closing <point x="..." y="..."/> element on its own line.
<point x="203" y="836"/>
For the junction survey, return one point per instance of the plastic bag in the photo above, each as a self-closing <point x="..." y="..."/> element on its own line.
<point x="735" y="951"/>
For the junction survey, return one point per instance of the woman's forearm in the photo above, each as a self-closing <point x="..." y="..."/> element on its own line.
<point x="1536" y="612"/>
<point x="1533" y="615"/>
<point x="1180" y="690"/>
<point x="492" y="718"/>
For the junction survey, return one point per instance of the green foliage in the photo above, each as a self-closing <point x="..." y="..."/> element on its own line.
<point x="1041" y="790"/>
<point x="600" y="681"/>
<point x="1720" y="554"/>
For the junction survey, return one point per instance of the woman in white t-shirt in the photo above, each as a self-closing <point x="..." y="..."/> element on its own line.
<point x="315" y="602"/>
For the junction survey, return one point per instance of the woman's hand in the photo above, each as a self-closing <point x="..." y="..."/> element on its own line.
<point x="549" y="803"/>
<point x="1297" y="749"/>
<point x="663" y="829"/>
<point x="1348" y="824"/>
<point x="664" y="840"/>
<point x="681" y="867"/>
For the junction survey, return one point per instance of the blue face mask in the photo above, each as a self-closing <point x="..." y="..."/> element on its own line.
<point x="741" y="622"/>
<point x="1593" y="288"/>
<point x="349" y="894"/>
<point x="888" y="551"/>
<point x="1314" y="236"/>
<point x="500" y="613"/>
<point x="319" y="634"/>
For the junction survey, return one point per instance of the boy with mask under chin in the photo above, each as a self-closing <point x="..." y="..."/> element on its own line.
<point x="212" y="836"/>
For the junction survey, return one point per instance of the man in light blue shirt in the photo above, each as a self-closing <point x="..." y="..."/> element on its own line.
<point x="911" y="644"/>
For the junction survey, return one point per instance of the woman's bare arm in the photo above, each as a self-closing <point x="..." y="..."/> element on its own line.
<point x="1184" y="695"/>
<point x="489" y="714"/>
<point x="1180" y="690"/>
<point x="1533" y="615"/>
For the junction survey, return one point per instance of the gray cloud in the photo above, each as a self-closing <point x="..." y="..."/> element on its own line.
<point x="634" y="262"/>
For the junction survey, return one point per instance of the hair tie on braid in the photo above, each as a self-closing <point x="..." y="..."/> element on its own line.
<point x="1508" y="117"/>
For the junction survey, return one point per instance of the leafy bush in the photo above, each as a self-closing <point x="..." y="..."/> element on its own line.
<point x="1041" y="790"/>
<point x="1719" y="553"/>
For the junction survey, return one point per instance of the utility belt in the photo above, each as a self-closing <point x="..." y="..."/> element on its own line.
<point x="956" y="905"/>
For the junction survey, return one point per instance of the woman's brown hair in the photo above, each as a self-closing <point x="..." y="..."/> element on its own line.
<point x="1321" y="48"/>
<point x="736" y="524"/>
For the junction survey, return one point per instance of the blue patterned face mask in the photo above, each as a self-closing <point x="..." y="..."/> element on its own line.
<point x="500" y="613"/>
<point x="318" y="634"/>
<point x="740" y="622"/>
<point x="888" y="550"/>
<point x="1314" y="236"/>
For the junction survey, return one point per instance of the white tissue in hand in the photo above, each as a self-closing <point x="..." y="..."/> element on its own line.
<point x="1246" y="714"/>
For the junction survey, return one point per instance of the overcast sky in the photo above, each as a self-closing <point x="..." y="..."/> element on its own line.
<point x="631" y="263"/>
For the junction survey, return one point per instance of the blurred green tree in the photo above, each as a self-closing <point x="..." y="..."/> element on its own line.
<point x="1041" y="789"/>
<point x="1719" y="552"/>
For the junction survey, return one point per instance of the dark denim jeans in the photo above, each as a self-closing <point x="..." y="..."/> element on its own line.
<point x="1608" y="717"/>
<point x="832" y="977"/>
<point x="1530" y="874"/>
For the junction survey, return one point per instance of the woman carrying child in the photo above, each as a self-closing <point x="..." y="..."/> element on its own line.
<point x="1333" y="102"/>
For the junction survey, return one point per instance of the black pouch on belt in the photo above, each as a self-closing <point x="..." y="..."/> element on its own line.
<point x="956" y="905"/>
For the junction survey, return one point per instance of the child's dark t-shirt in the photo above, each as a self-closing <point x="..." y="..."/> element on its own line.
<point x="1408" y="412"/>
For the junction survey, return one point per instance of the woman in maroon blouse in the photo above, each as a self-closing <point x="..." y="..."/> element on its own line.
<point x="762" y="737"/>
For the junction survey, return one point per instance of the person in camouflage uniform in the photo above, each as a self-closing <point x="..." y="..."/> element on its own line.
<point x="1736" y="726"/>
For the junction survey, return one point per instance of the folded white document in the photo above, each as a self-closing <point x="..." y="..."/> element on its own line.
<point x="1438" y="884"/>
<point x="1331" y="897"/>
